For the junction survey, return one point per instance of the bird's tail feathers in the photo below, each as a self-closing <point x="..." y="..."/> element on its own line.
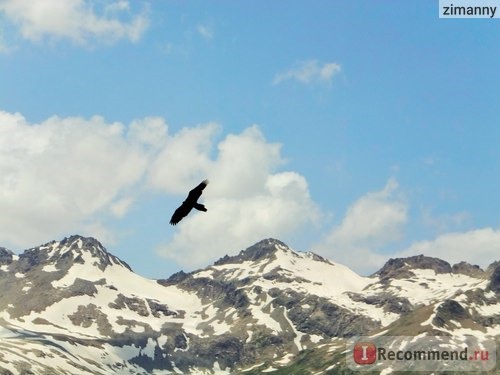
<point x="200" y="207"/>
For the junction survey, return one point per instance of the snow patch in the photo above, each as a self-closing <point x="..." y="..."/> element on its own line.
<point x="218" y="369"/>
<point x="285" y="359"/>
<point x="487" y="310"/>
<point x="270" y="369"/>
<point x="490" y="294"/>
<point x="265" y="318"/>
<point x="50" y="268"/>
<point x="315" y="338"/>
<point x="208" y="273"/>
<point x="428" y="287"/>
<point x="26" y="288"/>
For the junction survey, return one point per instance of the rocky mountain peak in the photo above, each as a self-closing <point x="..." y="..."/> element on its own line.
<point x="397" y="268"/>
<point x="468" y="269"/>
<point x="6" y="256"/>
<point x="261" y="250"/>
<point x="63" y="254"/>
<point x="82" y="242"/>
<point x="492" y="267"/>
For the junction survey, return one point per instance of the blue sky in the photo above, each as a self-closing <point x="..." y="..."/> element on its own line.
<point x="358" y="130"/>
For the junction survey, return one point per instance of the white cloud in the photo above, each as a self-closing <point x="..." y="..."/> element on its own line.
<point x="374" y="220"/>
<point x="206" y="32"/>
<point x="57" y="175"/>
<point x="379" y="218"/>
<point x="184" y="160"/>
<point x="116" y="6"/>
<point x="247" y="200"/>
<point x="308" y="72"/>
<point x="244" y="163"/>
<point x="76" y="20"/>
<point x="478" y="246"/>
<point x="120" y="208"/>
<point x="151" y="131"/>
<point x="72" y="175"/>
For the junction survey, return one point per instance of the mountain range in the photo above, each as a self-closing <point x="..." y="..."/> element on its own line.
<point x="71" y="307"/>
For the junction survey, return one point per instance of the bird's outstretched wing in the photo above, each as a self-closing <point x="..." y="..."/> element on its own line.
<point x="196" y="192"/>
<point x="190" y="203"/>
<point x="180" y="213"/>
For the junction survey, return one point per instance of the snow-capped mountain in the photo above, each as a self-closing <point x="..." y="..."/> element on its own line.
<point x="70" y="307"/>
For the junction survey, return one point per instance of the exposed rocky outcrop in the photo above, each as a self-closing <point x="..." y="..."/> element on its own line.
<point x="158" y="309"/>
<point x="6" y="256"/>
<point x="132" y="303"/>
<point x="389" y="302"/>
<point x="468" y="269"/>
<point x="399" y="268"/>
<point x="494" y="284"/>
<point x="261" y="250"/>
<point x="450" y="310"/>
<point x="88" y="315"/>
<point x="319" y="316"/>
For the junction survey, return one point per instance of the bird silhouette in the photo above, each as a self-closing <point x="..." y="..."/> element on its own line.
<point x="190" y="203"/>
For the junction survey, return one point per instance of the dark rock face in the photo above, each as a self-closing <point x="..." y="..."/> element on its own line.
<point x="468" y="269"/>
<point x="225" y="349"/>
<point x="6" y="256"/>
<point x="492" y="267"/>
<point x="276" y="274"/>
<point x="174" y="279"/>
<point x="319" y="316"/>
<point x="135" y="304"/>
<point x="450" y="310"/>
<point x="399" y="268"/>
<point x="90" y="314"/>
<point x="319" y="258"/>
<point x="158" y="309"/>
<point x="30" y="259"/>
<point x="389" y="302"/>
<point x="81" y="287"/>
<point x="225" y="293"/>
<point x="495" y="280"/>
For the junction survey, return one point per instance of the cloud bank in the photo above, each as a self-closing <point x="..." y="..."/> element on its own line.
<point x="372" y="222"/>
<point x="477" y="246"/>
<point x="81" y="21"/>
<point x="70" y="174"/>
<point x="308" y="72"/>
<point x="76" y="175"/>
<point x="379" y="219"/>
<point x="60" y="174"/>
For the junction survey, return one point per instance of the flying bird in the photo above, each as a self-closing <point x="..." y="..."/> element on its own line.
<point x="190" y="203"/>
